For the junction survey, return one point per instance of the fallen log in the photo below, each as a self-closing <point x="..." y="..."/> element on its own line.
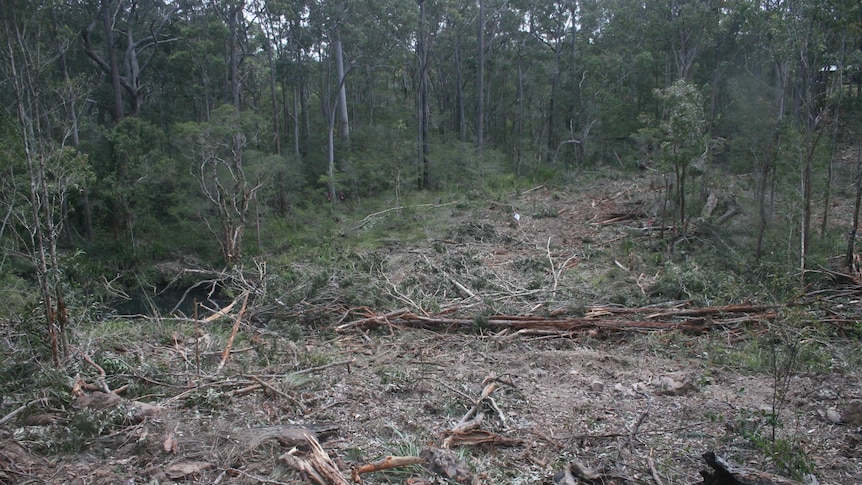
<point x="372" y="321"/>
<point x="692" y="320"/>
<point x="726" y="473"/>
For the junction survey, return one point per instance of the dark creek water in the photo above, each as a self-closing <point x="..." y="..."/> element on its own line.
<point x="168" y="302"/>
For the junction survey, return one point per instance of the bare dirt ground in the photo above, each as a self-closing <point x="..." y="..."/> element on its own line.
<point x="632" y="405"/>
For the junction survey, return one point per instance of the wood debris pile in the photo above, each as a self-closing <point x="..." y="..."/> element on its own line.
<point x="594" y="320"/>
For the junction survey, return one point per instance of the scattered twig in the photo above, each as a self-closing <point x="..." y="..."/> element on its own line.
<point x="655" y="474"/>
<point x="346" y="362"/>
<point x="640" y="421"/>
<point x="290" y="398"/>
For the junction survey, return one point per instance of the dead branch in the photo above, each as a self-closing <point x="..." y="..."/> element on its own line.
<point x="18" y="410"/>
<point x="387" y="463"/>
<point x="640" y="421"/>
<point x="373" y="321"/>
<point x="369" y="217"/>
<point x="233" y="332"/>
<point x="466" y="431"/>
<point x="478" y="437"/>
<point x="102" y="384"/>
<point x="272" y="389"/>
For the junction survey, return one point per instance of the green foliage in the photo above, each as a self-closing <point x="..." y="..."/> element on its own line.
<point x="681" y="135"/>
<point x="788" y="454"/>
<point x="17" y="296"/>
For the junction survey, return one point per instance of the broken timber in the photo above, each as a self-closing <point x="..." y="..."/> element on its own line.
<point x="696" y="320"/>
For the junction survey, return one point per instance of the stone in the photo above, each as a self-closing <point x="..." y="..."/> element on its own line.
<point x="676" y="385"/>
<point x="852" y="414"/>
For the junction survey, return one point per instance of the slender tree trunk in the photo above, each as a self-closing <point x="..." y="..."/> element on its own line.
<point x="552" y="107"/>
<point x="233" y="53"/>
<point x="767" y="167"/>
<point x="422" y="46"/>
<point x="297" y="135"/>
<point x="459" y="92"/>
<point x="108" y="24"/>
<point x="480" y="79"/>
<point x="43" y="230"/>
<point x="344" y="121"/>
<point x="851" y="241"/>
<point x="519" y="121"/>
<point x="273" y="98"/>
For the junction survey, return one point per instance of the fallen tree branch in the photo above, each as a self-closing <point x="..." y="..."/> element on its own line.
<point x="18" y="410"/>
<point x="694" y="320"/>
<point x="233" y="332"/>
<point x="386" y="463"/>
<point x="371" y="216"/>
<point x="372" y="321"/>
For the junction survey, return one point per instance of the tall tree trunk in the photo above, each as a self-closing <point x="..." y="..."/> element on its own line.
<point x="233" y="52"/>
<point x="459" y="92"/>
<point x="422" y="46"/>
<point x="519" y="121"/>
<point x="116" y="87"/>
<point x="851" y="241"/>
<point x="767" y="166"/>
<point x="273" y="99"/>
<point x="297" y="129"/>
<point x="344" y="121"/>
<point x="480" y="79"/>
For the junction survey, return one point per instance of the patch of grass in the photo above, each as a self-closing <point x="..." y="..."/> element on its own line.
<point x="313" y="359"/>
<point x="787" y="453"/>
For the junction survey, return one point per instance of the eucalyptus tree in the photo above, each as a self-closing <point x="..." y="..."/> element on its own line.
<point x="551" y="22"/>
<point x="217" y="150"/>
<point x="39" y="165"/>
<point x="195" y="68"/>
<point x="682" y="136"/>
<point x="122" y="39"/>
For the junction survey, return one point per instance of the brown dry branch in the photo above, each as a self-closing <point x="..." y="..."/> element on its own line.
<point x="373" y="321"/>
<point x="287" y="435"/>
<point x="467" y="430"/>
<point x="386" y="463"/>
<point x="233" y="333"/>
<point x="103" y="385"/>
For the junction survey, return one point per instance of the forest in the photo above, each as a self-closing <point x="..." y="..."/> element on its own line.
<point x="213" y="202"/>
